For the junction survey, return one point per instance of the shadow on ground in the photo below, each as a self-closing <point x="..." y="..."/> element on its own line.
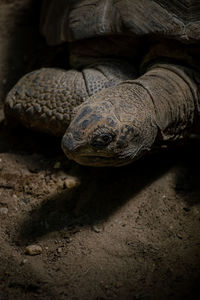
<point x="103" y="191"/>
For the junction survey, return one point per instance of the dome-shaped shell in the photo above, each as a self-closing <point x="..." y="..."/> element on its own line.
<point x="72" y="20"/>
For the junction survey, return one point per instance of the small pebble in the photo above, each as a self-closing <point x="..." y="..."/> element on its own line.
<point x="26" y="200"/>
<point x="96" y="229"/>
<point x="187" y="209"/>
<point x="24" y="261"/>
<point x="71" y="182"/>
<point x="33" y="250"/>
<point x="179" y="236"/>
<point x="59" y="250"/>
<point x="67" y="239"/>
<point x="3" y="210"/>
<point x="57" y="165"/>
<point x="59" y="184"/>
<point x="118" y="284"/>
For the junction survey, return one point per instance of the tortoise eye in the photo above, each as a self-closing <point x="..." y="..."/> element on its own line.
<point x="102" y="140"/>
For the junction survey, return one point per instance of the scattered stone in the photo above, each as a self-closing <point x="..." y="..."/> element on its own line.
<point x="59" y="184"/>
<point x="67" y="238"/>
<point x="3" y="210"/>
<point x="59" y="250"/>
<point x="187" y="209"/>
<point x="33" y="250"/>
<point x="179" y="236"/>
<point x="26" y="200"/>
<point x="33" y="169"/>
<point x="118" y="284"/>
<point x="57" y="165"/>
<point x="96" y="229"/>
<point x="24" y="261"/>
<point x="71" y="182"/>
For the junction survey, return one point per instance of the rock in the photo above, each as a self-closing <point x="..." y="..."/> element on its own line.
<point x="33" y="250"/>
<point x="118" y="284"/>
<point x="59" y="250"/>
<point x="96" y="229"/>
<point x="24" y="261"/>
<point x="26" y="200"/>
<point x="71" y="182"/>
<point x="179" y="236"/>
<point x="59" y="184"/>
<point x="187" y="209"/>
<point x="3" y="210"/>
<point x="57" y="165"/>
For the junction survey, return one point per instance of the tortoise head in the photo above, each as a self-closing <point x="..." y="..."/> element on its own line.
<point x="108" y="132"/>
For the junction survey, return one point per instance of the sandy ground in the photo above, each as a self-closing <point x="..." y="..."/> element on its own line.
<point x="122" y="233"/>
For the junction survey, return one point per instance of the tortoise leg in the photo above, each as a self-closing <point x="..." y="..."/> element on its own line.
<point x="44" y="99"/>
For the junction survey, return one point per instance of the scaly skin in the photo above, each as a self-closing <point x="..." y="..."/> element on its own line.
<point x="121" y="123"/>
<point x="44" y="99"/>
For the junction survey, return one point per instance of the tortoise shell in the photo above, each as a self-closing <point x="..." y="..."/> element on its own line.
<point x="73" y="20"/>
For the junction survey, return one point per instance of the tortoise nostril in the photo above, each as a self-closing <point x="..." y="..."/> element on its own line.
<point x="67" y="143"/>
<point x="99" y="142"/>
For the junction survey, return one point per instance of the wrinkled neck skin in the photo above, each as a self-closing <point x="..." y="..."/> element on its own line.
<point x="174" y="96"/>
<point x="158" y="106"/>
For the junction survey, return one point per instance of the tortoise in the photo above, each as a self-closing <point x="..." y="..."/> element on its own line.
<point x="134" y="82"/>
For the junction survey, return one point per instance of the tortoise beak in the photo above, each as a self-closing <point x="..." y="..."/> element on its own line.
<point x="69" y="145"/>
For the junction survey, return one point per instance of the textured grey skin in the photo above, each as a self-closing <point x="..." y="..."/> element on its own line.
<point x="120" y="117"/>
<point x="44" y="99"/>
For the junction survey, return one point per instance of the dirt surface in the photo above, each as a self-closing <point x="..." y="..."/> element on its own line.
<point x="119" y="233"/>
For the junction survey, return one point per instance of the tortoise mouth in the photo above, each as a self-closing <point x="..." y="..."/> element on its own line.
<point x="99" y="160"/>
<point x="86" y="155"/>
